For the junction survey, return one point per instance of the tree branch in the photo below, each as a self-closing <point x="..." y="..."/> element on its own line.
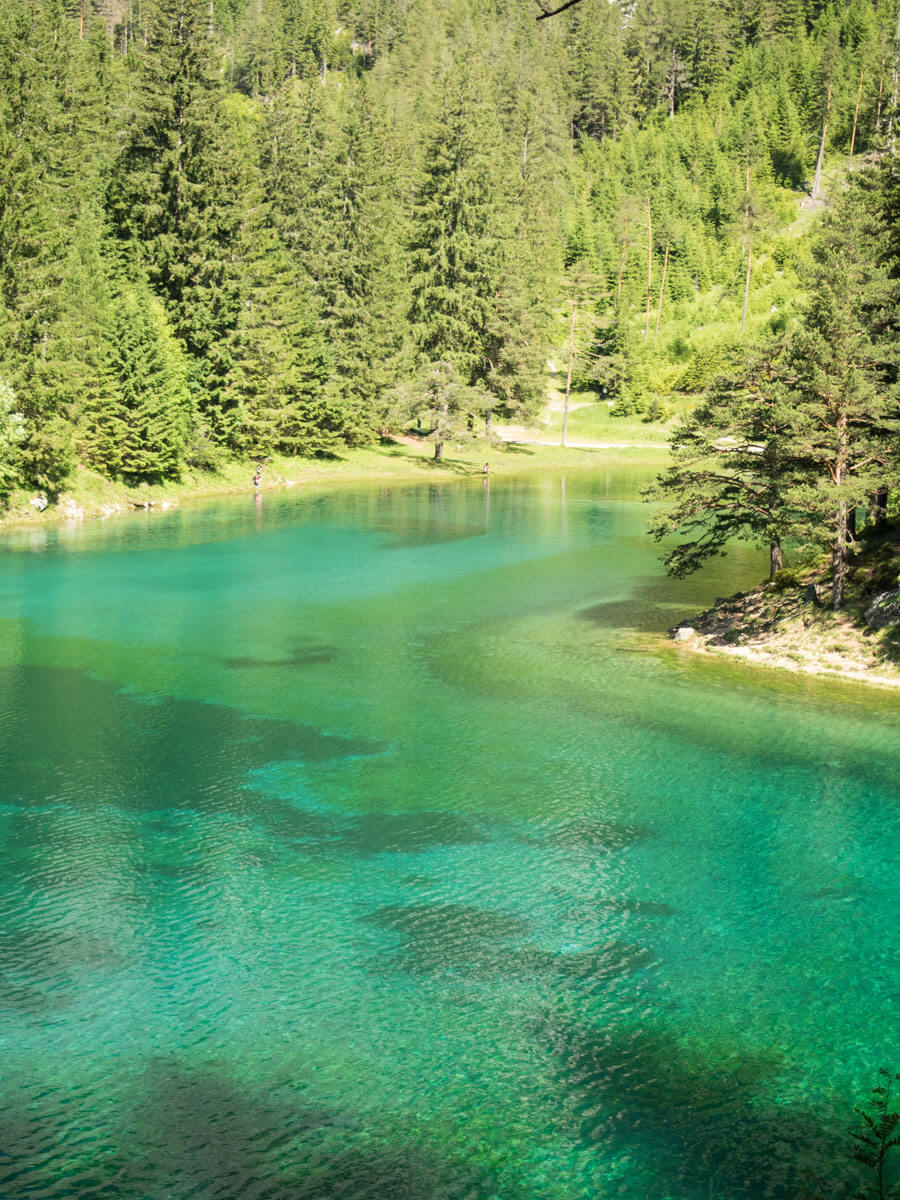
<point x="551" y="12"/>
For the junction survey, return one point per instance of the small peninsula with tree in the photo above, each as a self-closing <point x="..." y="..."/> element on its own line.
<point x="800" y="446"/>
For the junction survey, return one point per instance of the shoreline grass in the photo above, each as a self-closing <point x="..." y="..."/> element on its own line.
<point x="400" y="460"/>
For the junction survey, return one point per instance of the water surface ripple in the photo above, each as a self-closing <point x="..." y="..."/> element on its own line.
<point x="370" y="845"/>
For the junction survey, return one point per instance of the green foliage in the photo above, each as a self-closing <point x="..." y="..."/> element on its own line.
<point x="458" y="220"/>
<point x="820" y="436"/>
<point x="140" y="417"/>
<point x="12" y="433"/>
<point x="874" y="1139"/>
<point x="787" y="578"/>
<point x="441" y="405"/>
<point x="731" y="471"/>
<point x="175" y="193"/>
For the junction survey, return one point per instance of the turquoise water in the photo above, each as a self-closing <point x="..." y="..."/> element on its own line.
<point x="371" y="845"/>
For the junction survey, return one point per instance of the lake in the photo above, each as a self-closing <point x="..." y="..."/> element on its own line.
<point x="373" y="844"/>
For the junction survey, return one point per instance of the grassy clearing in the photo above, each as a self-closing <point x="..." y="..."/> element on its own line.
<point x="593" y="422"/>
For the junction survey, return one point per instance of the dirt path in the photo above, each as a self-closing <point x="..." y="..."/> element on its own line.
<point x="517" y="433"/>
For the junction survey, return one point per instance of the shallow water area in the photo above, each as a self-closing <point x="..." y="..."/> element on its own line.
<point x="373" y="844"/>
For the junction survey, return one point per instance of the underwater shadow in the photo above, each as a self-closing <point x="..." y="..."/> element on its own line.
<point x="209" y="1138"/>
<point x="300" y="656"/>
<point x="705" y="1127"/>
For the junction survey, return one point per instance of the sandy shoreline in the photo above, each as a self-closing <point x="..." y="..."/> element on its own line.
<point x="773" y="659"/>
<point x="788" y="631"/>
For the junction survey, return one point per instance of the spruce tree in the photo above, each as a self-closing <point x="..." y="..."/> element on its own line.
<point x="459" y="223"/>
<point x="142" y="412"/>
<point x="733" y="468"/>
<point x="177" y="191"/>
<point x="843" y="365"/>
<point x="280" y="395"/>
<point x="327" y="161"/>
<point x="52" y="140"/>
<point x="12" y="434"/>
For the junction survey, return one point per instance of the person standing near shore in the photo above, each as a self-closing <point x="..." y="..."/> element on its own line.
<point x="257" y="478"/>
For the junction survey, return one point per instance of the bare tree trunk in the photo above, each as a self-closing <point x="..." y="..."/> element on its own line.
<point x="856" y="114"/>
<point x="565" y="427"/>
<point x="880" y="102"/>
<point x="622" y="263"/>
<point x="817" y="182"/>
<point x="839" y="556"/>
<point x="649" y="267"/>
<point x="776" y="558"/>
<point x="747" y="285"/>
<point x="662" y="288"/>
<point x="839" y="545"/>
<point x="748" y="229"/>
<point x="895" y="79"/>
<point x="438" y="451"/>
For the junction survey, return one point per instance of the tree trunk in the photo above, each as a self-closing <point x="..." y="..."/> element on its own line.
<point x="747" y="286"/>
<point x="851" y="525"/>
<point x="879" y="507"/>
<point x="817" y="182"/>
<point x="565" y="427"/>
<point x="649" y="267"/>
<point x="895" y="83"/>
<point x="856" y="115"/>
<point x="622" y="264"/>
<point x="662" y="288"/>
<point x="438" y="451"/>
<point x="839" y="557"/>
<point x="776" y="559"/>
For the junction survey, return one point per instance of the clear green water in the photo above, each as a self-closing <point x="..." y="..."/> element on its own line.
<point x="369" y="846"/>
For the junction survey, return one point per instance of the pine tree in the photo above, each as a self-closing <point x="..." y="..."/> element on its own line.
<point x="52" y="84"/>
<point x="142" y="412"/>
<point x="844" y="366"/>
<point x="732" y="469"/>
<point x="333" y="201"/>
<point x="458" y="227"/>
<point x="176" y="194"/>
<point x="279" y="391"/>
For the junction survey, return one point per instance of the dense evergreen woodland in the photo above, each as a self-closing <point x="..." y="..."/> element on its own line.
<point x="252" y="227"/>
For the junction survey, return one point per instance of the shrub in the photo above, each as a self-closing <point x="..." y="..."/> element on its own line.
<point x="787" y="577"/>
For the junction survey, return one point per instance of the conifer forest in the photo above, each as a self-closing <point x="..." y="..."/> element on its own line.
<point x="233" y="228"/>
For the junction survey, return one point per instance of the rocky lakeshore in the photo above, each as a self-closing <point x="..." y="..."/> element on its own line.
<point x="789" y="625"/>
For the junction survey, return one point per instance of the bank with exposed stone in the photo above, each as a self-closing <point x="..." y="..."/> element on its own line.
<point x="791" y="627"/>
